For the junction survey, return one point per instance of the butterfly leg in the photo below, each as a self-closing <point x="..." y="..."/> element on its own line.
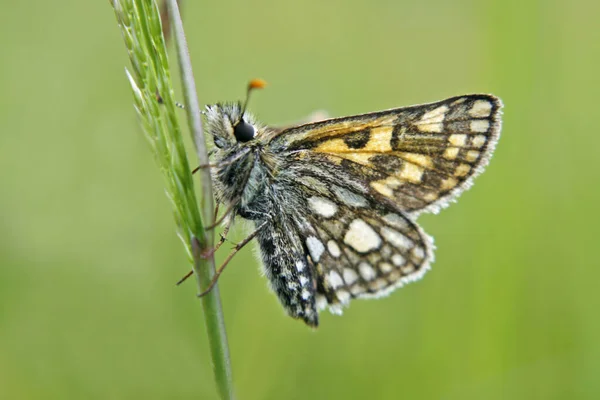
<point x="219" y="220"/>
<point x="209" y="253"/>
<point x="221" y="164"/>
<point x="237" y="248"/>
<point x="203" y="166"/>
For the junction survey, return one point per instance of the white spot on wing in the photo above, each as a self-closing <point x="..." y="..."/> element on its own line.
<point x="397" y="239"/>
<point x="343" y="296"/>
<point x="386" y="252"/>
<point x="472" y="155"/>
<point x="462" y="170"/>
<point x="361" y="236"/>
<point x="378" y="284"/>
<point x="315" y="248"/>
<point x="433" y="128"/>
<point x="321" y="302"/>
<point x="380" y="139"/>
<point x="457" y="139"/>
<point x="419" y="252"/>
<point x="481" y="109"/>
<point x="450" y="153"/>
<point x="436" y="115"/>
<point x="322" y="206"/>
<point x="333" y="249"/>
<point x="417" y="159"/>
<point x="357" y="289"/>
<point x="478" y="141"/>
<point x="299" y="266"/>
<point x="335" y="280"/>
<point x="447" y="184"/>
<point x="385" y="267"/>
<point x="382" y="188"/>
<point x="350" y="276"/>
<point x="387" y="186"/>
<point x="432" y="121"/>
<point x="480" y="125"/>
<point x="411" y="172"/>
<point x="398" y="260"/>
<point x="366" y="271"/>
<point x="408" y="269"/>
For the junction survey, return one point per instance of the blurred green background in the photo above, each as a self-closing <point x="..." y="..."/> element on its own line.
<point x="89" y="256"/>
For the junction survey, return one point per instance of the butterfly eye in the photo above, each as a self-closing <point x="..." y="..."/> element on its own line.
<point x="243" y="131"/>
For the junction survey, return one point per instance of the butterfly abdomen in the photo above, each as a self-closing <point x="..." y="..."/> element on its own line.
<point x="289" y="271"/>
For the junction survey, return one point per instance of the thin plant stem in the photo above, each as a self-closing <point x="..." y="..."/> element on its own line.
<point x="204" y="267"/>
<point x="154" y="102"/>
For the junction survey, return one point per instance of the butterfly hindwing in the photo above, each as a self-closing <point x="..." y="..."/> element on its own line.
<point x="359" y="248"/>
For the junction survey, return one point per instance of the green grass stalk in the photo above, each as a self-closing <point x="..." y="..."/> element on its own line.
<point x="140" y="25"/>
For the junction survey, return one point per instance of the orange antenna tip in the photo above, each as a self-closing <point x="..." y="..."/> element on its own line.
<point x="257" y="84"/>
<point x="253" y="84"/>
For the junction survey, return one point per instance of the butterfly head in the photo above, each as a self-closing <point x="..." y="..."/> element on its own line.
<point x="228" y="126"/>
<point x="229" y="123"/>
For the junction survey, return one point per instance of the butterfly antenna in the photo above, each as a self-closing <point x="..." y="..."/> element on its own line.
<point x="253" y="84"/>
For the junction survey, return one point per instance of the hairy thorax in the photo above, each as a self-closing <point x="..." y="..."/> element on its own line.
<point x="242" y="180"/>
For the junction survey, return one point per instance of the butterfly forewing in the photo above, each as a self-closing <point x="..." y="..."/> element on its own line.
<point x="419" y="157"/>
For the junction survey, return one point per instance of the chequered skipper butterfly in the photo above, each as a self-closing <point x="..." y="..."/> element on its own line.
<point x="334" y="202"/>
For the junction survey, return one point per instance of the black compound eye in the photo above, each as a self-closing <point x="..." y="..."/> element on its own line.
<point x="243" y="131"/>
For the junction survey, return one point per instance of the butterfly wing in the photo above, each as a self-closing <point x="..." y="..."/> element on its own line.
<point x="419" y="157"/>
<point x="357" y="245"/>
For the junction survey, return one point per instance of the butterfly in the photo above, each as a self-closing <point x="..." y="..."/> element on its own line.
<point x="334" y="202"/>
